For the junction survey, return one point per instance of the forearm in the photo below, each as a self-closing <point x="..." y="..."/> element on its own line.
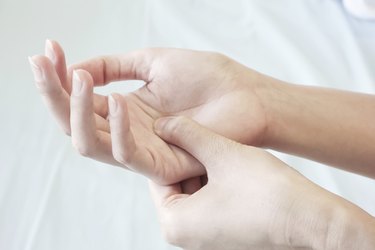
<point x="331" y="126"/>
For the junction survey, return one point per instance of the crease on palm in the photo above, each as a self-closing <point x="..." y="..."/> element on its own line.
<point x="155" y="99"/>
<point x="164" y="160"/>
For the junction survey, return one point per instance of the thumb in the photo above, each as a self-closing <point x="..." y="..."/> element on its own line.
<point x="206" y="146"/>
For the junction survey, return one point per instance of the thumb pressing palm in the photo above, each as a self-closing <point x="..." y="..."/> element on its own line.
<point x="249" y="199"/>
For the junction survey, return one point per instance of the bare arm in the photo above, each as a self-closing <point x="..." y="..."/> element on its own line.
<point x="330" y="126"/>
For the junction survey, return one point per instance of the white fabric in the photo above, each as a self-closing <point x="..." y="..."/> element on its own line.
<point x="51" y="198"/>
<point x="361" y="8"/>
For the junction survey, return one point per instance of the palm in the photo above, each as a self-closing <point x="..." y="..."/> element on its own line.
<point x="211" y="99"/>
<point x="206" y="87"/>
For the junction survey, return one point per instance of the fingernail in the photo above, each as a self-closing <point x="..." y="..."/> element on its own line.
<point x="77" y="84"/>
<point x="112" y="105"/>
<point x="38" y="74"/>
<point x="50" y="53"/>
<point x="160" y="124"/>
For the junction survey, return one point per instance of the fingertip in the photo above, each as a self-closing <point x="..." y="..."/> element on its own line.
<point x="33" y="59"/>
<point x="49" y="86"/>
<point x="82" y="82"/>
<point x="41" y="67"/>
<point x="205" y="145"/>
<point x="112" y="105"/>
<point x="55" y="53"/>
<point x="84" y="76"/>
<point x="77" y="84"/>
<point x="39" y="60"/>
<point x="49" y="51"/>
<point x="161" y="123"/>
<point x="117" y="104"/>
<point x="44" y="64"/>
<point x="53" y="48"/>
<point x="117" y="96"/>
<point x="38" y="74"/>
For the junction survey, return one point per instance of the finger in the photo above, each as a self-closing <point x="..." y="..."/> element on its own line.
<point x="85" y="137"/>
<point x="101" y="105"/>
<point x="124" y="148"/>
<point x="49" y="85"/>
<point x="204" y="180"/>
<point x="162" y="193"/>
<point x="175" y="211"/>
<point x="192" y="185"/>
<point x="102" y="124"/>
<point x="206" y="146"/>
<point x="104" y="69"/>
<point x="56" y="55"/>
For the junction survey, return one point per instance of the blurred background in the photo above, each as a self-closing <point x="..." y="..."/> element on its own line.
<point x="52" y="198"/>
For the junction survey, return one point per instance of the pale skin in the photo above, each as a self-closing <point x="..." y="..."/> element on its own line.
<point x="240" y="104"/>
<point x="169" y="80"/>
<point x="252" y="200"/>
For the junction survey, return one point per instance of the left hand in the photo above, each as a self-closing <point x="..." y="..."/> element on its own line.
<point x="208" y="87"/>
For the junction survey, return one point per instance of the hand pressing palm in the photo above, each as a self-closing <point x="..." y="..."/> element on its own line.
<point x="207" y="87"/>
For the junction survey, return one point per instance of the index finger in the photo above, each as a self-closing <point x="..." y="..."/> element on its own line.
<point x="105" y="69"/>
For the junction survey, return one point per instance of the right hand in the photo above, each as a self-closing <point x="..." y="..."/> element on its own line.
<point x="210" y="88"/>
<point x="252" y="200"/>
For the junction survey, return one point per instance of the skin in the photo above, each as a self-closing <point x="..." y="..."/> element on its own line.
<point x="326" y="125"/>
<point x="202" y="95"/>
<point x="264" y="112"/>
<point x="252" y="201"/>
<point x="237" y="103"/>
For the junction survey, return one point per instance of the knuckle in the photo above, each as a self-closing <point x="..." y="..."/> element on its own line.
<point x="177" y="125"/>
<point x="105" y="69"/>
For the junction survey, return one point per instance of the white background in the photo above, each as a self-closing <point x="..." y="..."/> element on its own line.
<point x="52" y="198"/>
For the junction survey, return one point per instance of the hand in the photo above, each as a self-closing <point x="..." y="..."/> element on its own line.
<point x="207" y="87"/>
<point x="252" y="201"/>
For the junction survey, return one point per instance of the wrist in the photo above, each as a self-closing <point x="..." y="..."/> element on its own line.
<point x="271" y="95"/>
<point x="350" y="228"/>
<point x="285" y="114"/>
<point x="252" y="86"/>
<point x="329" y="222"/>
